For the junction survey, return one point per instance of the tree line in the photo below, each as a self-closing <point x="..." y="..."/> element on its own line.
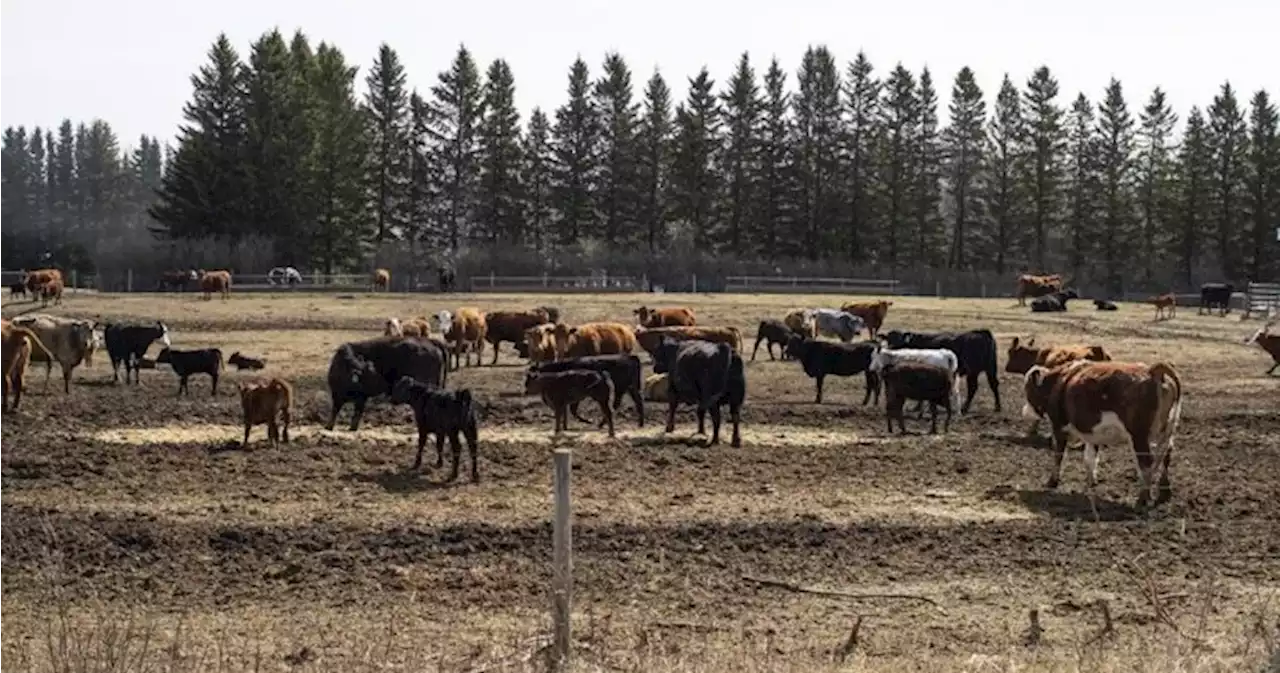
<point x="835" y="163"/>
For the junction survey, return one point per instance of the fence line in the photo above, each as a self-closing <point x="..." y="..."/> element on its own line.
<point x="1262" y="298"/>
<point x="798" y="285"/>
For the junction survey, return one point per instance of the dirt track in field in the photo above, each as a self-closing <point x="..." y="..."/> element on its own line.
<point x="134" y="497"/>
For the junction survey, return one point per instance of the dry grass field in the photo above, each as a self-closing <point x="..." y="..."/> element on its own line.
<point x="139" y="536"/>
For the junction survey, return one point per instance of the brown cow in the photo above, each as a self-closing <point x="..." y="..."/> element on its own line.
<point x="51" y="290"/>
<point x="665" y="317"/>
<point x="381" y="280"/>
<point x="16" y="347"/>
<point x="1036" y="286"/>
<point x="267" y="402"/>
<point x="419" y="326"/>
<point x="541" y="343"/>
<point x="650" y="339"/>
<point x="1110" y="403"/>
<point x="1166" y="306"/>
<point x="871" y="312"/>
<point x="464" y="332"/>
<point x="1269" y="343"/>
<point x="593" y="338"/>
<point x="802" y="322"/>
<point x="510" y="326"/>
<point x="561" y="390"/>
<point x="215" y="281"/>
<point x="1024" y="356"/>
<point x="35" y="281"/>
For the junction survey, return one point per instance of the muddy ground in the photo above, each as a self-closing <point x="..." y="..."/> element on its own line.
<point x="126" y="498"/>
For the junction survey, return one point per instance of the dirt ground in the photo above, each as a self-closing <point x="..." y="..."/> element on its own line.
<point x="136" y="528"/>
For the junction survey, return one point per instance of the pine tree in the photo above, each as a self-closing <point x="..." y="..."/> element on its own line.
<point x="454" y="114"/>
<point x="16" y="176"/>
<point x="1229" y="142"/>
<point x="292" y="244"/>
<point x="62" y="181"/>
<point x="420" y="206"/>
<point x="1263" y="180"/>
<point x="1082" y="185"/>
<point x="342" y="225"/>
<point x="926" y="196"/>
<point x="654" y="171"/>
<point x="1043" y="181"/>
<point x="899" y="118"/>
<point x="816" y="109"/>
<point x="1155" y="180"/>
<point x="777" y="176"/>
<point x="738" y="162"/>
<point x="500" y="217"/>
<point x="38" y="185"/>
<point x="1194" y="169"/>
<point x="963" y="142"/>
<point x="618" y="186"/>
<point x="574" y="140"/>
<point x="862" y="105"/>
<point x="273" y="158"/>
<point x="537" y="176"/>
<point x="1005" y="162"/>
<point x="694" y="182"/>
<point x="99" y="178"/>
<point x="387" y="127"/>
<point x="1115" y="165"/>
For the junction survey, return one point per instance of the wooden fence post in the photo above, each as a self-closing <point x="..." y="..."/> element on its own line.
<point x="128" y="280"/>
<point x="562" y="575"/>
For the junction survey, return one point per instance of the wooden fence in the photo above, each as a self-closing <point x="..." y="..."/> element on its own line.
<point x="595" y="283"/>
<point x="797" y="285"/>
<point x="1262" y="299"/>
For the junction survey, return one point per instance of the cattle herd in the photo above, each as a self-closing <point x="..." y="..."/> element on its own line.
<point x="1083" y="393"/>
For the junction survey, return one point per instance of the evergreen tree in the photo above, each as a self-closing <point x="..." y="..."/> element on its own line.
<point x="816" y="109"/>
<point x="899" y="119"/>
<point x="387" y="127"/>
<point x="926" y="196"/>
<point x="740" y="157"/>
<point x="99" y="177"/>
<point x="653" y="172"/>
<point x="342" y="225"/>
<point x="62" y="180"/>
<point x="574" y="140"/>
<point x="453" y="120"/>
<point x="777" y="175"/>
<point x="38" y="184"/>
<point x="1229" y="142"/>
<point x="1263" y="200"/>
<point x="420" y="206"/>
<point x="500" y="216"/>
<point x="1006" y="143"/>
<point x="274" y="158"/>
<point x="1155" y="180"/>
<point x="1043" y="181"/>
<point x="1193" y="177"/>
<point x="862" y="105"/>
<point x="537" y="176"/>
<point x="1115" y="165"/>
<point x="1083" y="185"/>
<point x="694" y="183"/>
<point x="292" y="243"/>
<point x="16" y="178"/>
<point x="618" y="185"/>
<point x="963" y="142"/>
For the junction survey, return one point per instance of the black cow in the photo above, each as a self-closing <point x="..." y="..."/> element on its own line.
<point x="440" y="412"/>
<point x="821" y="359"/>
<point x="1216" y="295"/>
<point x="1053" y="303"/>
<point x="624" y="370"/>
<point x="363" y="369"/>
<point x="706" y="374"/>
<point x="1103" y="305"/>
<point x="126" y="344"/>
<point x="772" y="332"/>
<point x="18" y="288"/>
<point x="446" y="277"/>
<point x="185" y="363"/>
<point x="975" y="352"/>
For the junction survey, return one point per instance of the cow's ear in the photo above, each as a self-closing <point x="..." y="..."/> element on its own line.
<point x="1031" y="342"/>
<point x="573" y="330"/>
<point x="1015" y="343"/>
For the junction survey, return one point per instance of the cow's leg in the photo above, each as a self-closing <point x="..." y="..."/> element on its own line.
<point x="573" y="409"/>
<point x="735" y="417"/>
<point x="284" y="425"/>
<point x="1091" y="469"/>
<point x="469" y="432"/>
<point x="993" y="382"/>
<point x="933" y="417"/>
<point x="495" y="353"/>
<point x="971" y="382"/>
<point x="1142" y="452"/>
<point x="338" y="403"/>
<point x="888" y="414"/>
<point x="440" y="450"/>
<point x="638" y="399"/>
<point x="818" y="382"/>
<point x="182" y="385"/>
<point x="115" y="370"/>
<point x="671" y="412"/>
<point x="66" y="380"/>
<point x="702" y="419"/>
<point x="422" y="444"/>
<point x="868" y="376"/>
<point x="455" y="447"/>
<point x="757" y="349"/>
<point x="214" y="392"/>
<point x="273" y="433"/>
<point x="1166" y="489"/>
<point x="946" y="427"/>
<point x="247" y="425"/>
<point x="358" y="413"/>
<point x="1059" y="443"/>
<point x="608" y="412"/>
<point x="715" y="423"/>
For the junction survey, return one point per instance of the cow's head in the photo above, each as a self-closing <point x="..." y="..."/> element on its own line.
<point x="796" y="345"/>
<point x="393" y="328"/>
<point x="401" y="392"/>
<point x="664" y="355"/>
<point x="444" y="321"/>
<point x="540" y="342"/>
<point x="1037" y="392"/>
<point x="642" y="315"/>
<point x="1022" y="356"/>
<point x="894" y="338"/>
<point x="563" y="336"/>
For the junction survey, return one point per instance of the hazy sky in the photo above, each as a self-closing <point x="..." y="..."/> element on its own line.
<point x="129" y="61"/>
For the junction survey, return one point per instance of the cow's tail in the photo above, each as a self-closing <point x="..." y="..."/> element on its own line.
<point x="222" y="363"/>
<point x="723" y="362"/>
<point x="1167" y="389"/>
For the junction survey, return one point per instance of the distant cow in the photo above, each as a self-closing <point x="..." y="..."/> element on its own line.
<point x="51" y="291"/>
<point x="561" y="390"/>
<point x="409" y="327"/>
<point x="771" y="332"/>
<point x="1055" y="302"/>
<point x="35" y="280"/>
<point x="872" y="313"/>
<point x="443" y="413"/>
<point x="593" y="338"/>
<point x="1166" y="306"/>
<point x="1268" y="342"/>
<point x="215" y="281"/>
<point x="553" y="313"/>
<point x="381" y="280"/>
<point x="1110" y="403"/>
<point x="665" y="317"/>
<point x="464" y="333"/>
<point x="176" y="279"/>
<point x="801" y="321"/>
<point x="186" y="363"/>
<point x="911" y="380"/>
<point x="820" y="359"/>
<point x="127" y="344"/>
<point x="360" y="370"/>
<point x="269" y="402"/>
<point x="650" y="338"/>
<point x="1031" y="286"/>
<point x="707" y="375"/>
<point x="624" y="371"/>
<point x="1103" y="305"/>
<point x="70" y="341"/>
<point x="242" y="362"/>
<point x="975" y="351"/>
<point x="1214" y="295"/>
<point x="839" y="324"/>
<point x="510" y="326"/>
<point x="284" y="275"/>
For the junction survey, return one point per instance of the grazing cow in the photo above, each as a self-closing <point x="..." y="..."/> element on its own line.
<point x="871" y="312"/>
<point x="650" y="338"/>
<point x="1030" y="286"/>
<point x="593" y="338"/>
<point x="126" y="344"/>
<point x="1269" y="343"/>
<point x="464" y="333"/>
<point x="185" y="363"/>
<point x="975" y="352"/>
<point x="706" y="374"/>
<point x="1103" y="305"/>
<point x="1216" y="295"/>
<point x="1166" y="306"/>
<point x="657" y="387"/>
<point x="70" y="342"/>
<point x="624" y="372"/>
<point x="176" y="279"/>
<point x="410" y="327"/>
<point x="18" y="288"/>
<point x="844" y="326"/>
<point x="360" y="370"/>
<point x="1055" y="302"/>
<point x="510" y="326"/>
<point x="442" y="413"/>
<point x="381" y="280"/>
<point x="665" y="317"/>
<point x="801" y="321"/>
<point x="772" y="332"/>
<point x="18" y="345"/>
<point x="215" y="281"/>
<point x="912" y="380"/>
<point x="1110" y="403"/>
<point x="269" y="402"/>
<point x="560" y="390"/>
<point x="1023" y="356"/>
<point x="284" y="275"/>
<point x="35" y="280"/>
<point x="51" y="290"/>
<point x="821" y="359"/>
<point x="242" y="362"/>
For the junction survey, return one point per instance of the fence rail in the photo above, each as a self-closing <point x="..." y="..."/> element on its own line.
<point x="547" y="283"/>
<point x="798" y="285"/>
<point x="1263" y="299"/>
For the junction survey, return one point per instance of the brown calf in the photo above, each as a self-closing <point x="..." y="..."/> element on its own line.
<point x="871" y="312"/>
<point x="560" y="390"/>
<point x="541" y="340"/>
<point x="650" y="339"/>
<point x="465" y="333"/>
<point x="1269" y="343"/>
<point x="35" y="280"/>
<point x="409" y="327"/>
<point x="381" y="280"/>
<point x="593" y="338"/>
<point x="665" y="317"/>
<point x="510" y="326"/>
<point x="215" y="281"/>
<point x="1110" y="403"/>
<point x="1036" y="286"/>
<point x="51" y="290"/>
<point x="1166" y="306"/>
<point x="267" y="402"/>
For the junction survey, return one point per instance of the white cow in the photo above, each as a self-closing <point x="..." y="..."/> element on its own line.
<point x="444" y="321"/>
<point x="839" y="324"/>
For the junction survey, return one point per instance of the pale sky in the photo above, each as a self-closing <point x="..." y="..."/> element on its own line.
<point x="129" y="61"/>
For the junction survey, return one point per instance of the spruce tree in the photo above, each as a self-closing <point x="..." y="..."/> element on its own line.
<point x="387" y="127"/>
<point x="1115" y="137"/>
<point x="899" y="119"/>
<point x="654" y="170"/>
<point x="1262" y="176"/>
<point x="99" y="178"/>
<point x="342" y="227"/>
<point x="1155" y="180"/>
<point x="926" y="196"/>
<point x="537" y="175"/>
<point x="1044" y="171"/>
<point x="1193" y="176"/>
<point x="273" y="158"/>
<point x="16" y="173"/>
<point x="694" y="182"/>
<point x="420" y="205"/>
<point x="739" y="160"/>
<point x="1082" y="185"/>
<point x="1005" y="163"/>
<point x="862" y="105"/>
<point x="1228" y="139"/>
<point x="454" y="113"/>
<point x="292" y="243"/>
<point x="62" y="180"/>
<point x="817" y="113"/>
<point x="618" y="185"/>
<point x="500" y="217"/>
<point x="574" y="140"/>
<point x="777" y="176"/>
<point x="963" y="152"/>
<point x="38" y="185"/>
